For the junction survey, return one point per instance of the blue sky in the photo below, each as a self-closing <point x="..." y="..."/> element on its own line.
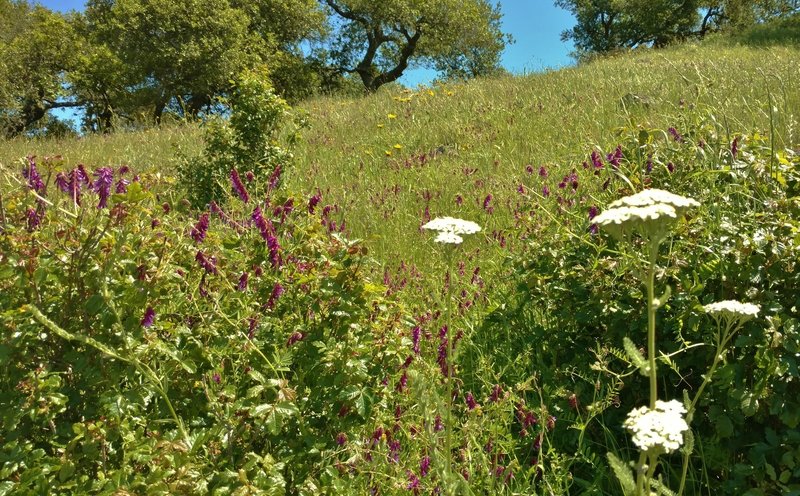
<point x="536" y="26"/>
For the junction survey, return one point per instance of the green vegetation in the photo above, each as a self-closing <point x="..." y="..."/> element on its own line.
<point x="312" y="338"/>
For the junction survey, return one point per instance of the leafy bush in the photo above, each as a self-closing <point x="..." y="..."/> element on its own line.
<point x="577" y="297"/>
<point x="249" y="141"/>
<point x="146" y="348"/>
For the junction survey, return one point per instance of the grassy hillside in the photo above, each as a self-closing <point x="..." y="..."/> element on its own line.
<point x="260" y="354"/>
<point x="423" y="148"/>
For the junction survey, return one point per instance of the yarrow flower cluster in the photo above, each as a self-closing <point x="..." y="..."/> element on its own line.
<point x="659" y="430"/>
<point x="650" y="212"/>
<point x="451" y="230"/>
<point x="732" y="310"/>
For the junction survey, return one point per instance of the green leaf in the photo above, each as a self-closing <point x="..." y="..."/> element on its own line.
<point x="623" y="473"/>
<point x="636" y="358"/>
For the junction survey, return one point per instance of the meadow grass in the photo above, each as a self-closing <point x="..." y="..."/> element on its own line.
<point x="389" y="162"/>
<point x="384" y="158"/>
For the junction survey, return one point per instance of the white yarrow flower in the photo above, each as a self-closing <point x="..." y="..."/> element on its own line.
<point x="622" y="215"/>
<point x="451" y="229"/>
<point x="732" y="308"/>
<point x="658" y="430"/>
<point x="656" y="197"/>
<point x="450" y="224"/>
<point x="448" y="238"/>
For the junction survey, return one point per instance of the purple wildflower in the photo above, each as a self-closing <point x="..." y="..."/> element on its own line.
<point x="649" y="166"/>
<point x="275" y="178"/>
<point x="424" y="466"/>
<point x="487" y="201"/>
<point x="314" y="201"/>
<point x="615" y="157"/>
<point x="250" y="176"/>
<point x="521" y="189"/>
<point x="200" y="229"/>
<point x="295" y="337"/>
<point x="122" y="186"/>
<point x="34" y="219"/>
<point x="243" y="281"/>
<point x="154" y="223"/>
<point x="438" y="426"/>
<point x="102" y="185"/>
<point x="545" y="191"/>
<point x="394" y="451"/>
<point x="32" y="175"/>
<point x="670" y="167"/>
<point x="470" y="400"/>
<point x="402" y="384"/>
<point x="459" y="200"/>
<point x="596" y="160"/>
<point x="62" y="182"/>
<point x="529" y="169"/>
<point x="261" y="223"/>
<point x="594" y="229"/>
<point x="542" y="171"/>
<point x="593" y="211"/>
<point x="277" y="291"/>
<point x="207" y="263"/>
<point x="148" y="318"/>
<point x="238" y="187"/>
<point x="735" y="147"/>
<point x="341" y="439"/>
<point x="216" y="378"/>
<point x="415" y="334"/>
<point x="496" y="392"/>
<point x="675" y="134"/>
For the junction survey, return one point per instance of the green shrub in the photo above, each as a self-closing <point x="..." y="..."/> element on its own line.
<point x="256" y="138"/>
<point x="146" y="349"/>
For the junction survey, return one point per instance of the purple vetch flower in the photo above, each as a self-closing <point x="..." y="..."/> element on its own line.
<point x="250" y="176"/>
<point x="341" y="439"/>
<point x="207" y="263"/>
<point x="675" y="134"/>
<point x="597" y="162"/>
<point x="615" y="157"/>
<point x="275" y="178"/>
<point x="542" y="171"/>
<point x="545" y="191"/>
<point x="593" y="211"/>
<point x="200" y="229"/>
<point x="149" y="317"/>
<point x="277" y="291"/>
<point x="494" y="397"/>
<point x="295" y="337"/>
<point x="594" y="229"/>
<point x="314" y="201"/>
<point x="443" y="351"/>
<point x="649" y="165"/>
<point x="216" y="378"/>
<point x="394" y="451"/>
<point x="62" y="182"/>
<point x="238" y="187"/>
<point x="122" y="186"/>
<point x="402" y="384"/>
<point x="243" y="281"/>
<point x="415" y="334"/>
<point x="487" y="201"/>
<point x="735" y="147"/>
<point x="123" y="170"/>
<point x="102" y="185"/>
<point x="529" y="169"/>
<point x="424" y="466"/>
<point x="34" y="218"/>
<point x="154" y="223"/>
<point x="251" y="327"/>
<point x="470" y="400"/>
<point x="413" y="482"/>
<point x="521" y="189"/>
<point x="438" y="426"/>
<point x="263" y="225"/>
<point x="670" y="167"/>
<point x="32" y="175"/>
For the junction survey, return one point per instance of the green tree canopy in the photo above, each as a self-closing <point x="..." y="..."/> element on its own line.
<point x="606" y="25"/>
<point x="37" y="49"/>
<point x="378" y="41"/>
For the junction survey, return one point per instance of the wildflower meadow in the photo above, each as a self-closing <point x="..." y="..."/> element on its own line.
<point x="520" y="285"/>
